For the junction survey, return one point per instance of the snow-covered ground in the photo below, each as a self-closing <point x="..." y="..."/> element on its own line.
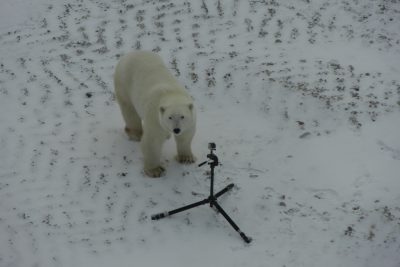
<point x="302" y="99"/>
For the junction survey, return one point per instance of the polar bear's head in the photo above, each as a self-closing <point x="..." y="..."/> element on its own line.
<point x="177" y="118"/>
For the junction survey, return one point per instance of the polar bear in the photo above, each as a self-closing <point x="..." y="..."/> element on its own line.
<point x="154" y="106"/>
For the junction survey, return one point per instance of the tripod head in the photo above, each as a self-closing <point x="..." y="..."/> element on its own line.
<point x="213" y="159"/>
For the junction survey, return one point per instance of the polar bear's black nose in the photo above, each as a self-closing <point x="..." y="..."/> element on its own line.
<point x="177" y="131"/>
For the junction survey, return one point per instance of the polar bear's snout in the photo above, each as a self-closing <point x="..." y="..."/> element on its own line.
<point x="177" y="119"/>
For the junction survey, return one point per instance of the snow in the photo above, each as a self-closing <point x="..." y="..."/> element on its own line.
<point x="302" y="99"/>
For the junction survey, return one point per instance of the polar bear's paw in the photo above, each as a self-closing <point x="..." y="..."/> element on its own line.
<point x="155" y="172"/>
<point x="185" y="159"/>
<point x="134" y="134"/>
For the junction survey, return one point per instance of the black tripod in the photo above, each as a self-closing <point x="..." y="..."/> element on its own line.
<point x="212" y="199"/>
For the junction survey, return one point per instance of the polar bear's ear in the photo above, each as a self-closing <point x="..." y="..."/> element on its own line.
<point x="190" y="106"/>
<point x="162" y="110"/>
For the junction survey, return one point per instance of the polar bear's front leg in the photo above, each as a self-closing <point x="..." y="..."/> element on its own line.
<point x="184" y="147"/>
<point x="151" y="149"/>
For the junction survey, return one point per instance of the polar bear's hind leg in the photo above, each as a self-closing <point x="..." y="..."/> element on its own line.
<point x="133" y="123"/>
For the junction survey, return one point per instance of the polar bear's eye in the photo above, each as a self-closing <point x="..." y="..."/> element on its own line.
<point x="182" y="117"/>
<point x="170" y="117"/>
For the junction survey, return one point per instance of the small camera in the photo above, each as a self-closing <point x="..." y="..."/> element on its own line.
<point x="211" y="146"/>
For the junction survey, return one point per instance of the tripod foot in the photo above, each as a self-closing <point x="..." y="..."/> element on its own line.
<point x="159" y="216"/>
<point x="245" y="237"/>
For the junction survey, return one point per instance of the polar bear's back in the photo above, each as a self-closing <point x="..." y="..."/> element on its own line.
<point x="143" y="59"/>
<point x="140" y="76"/>
<point x="138" y="66"/>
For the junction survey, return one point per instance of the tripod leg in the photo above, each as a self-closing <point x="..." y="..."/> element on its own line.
<point x="205" y="201"/>
<point x="231" y="222"/>
<point x="223" y="191"/>
<point x="161" y="215"/>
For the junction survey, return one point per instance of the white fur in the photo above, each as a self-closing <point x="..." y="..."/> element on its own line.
<point x="154" y="106"/>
